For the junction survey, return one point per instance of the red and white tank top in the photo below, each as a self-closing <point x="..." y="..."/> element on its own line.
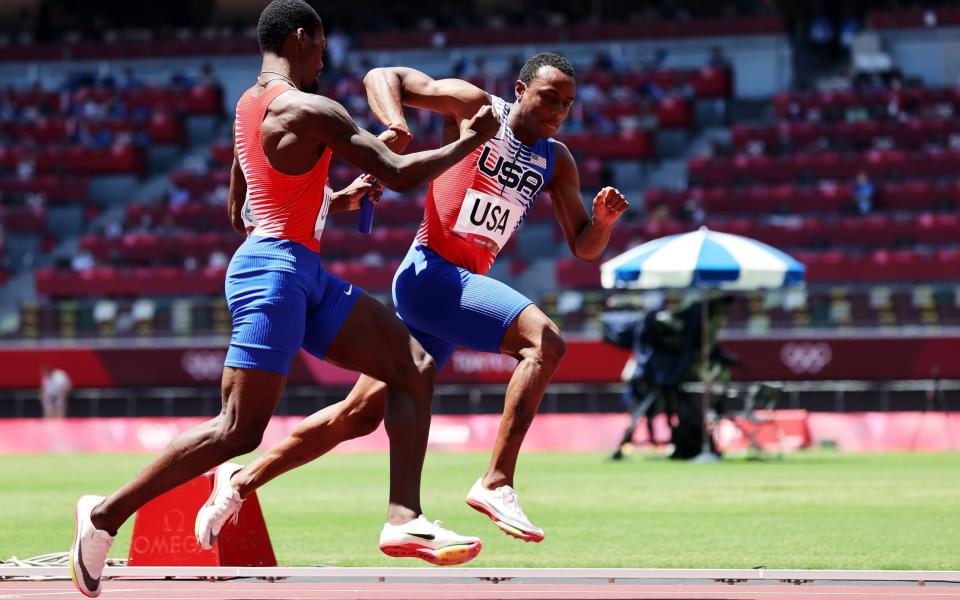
<point x="290" y="207"/>
<point x="475" y="206"/>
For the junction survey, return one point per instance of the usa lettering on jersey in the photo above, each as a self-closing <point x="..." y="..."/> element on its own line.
<point x="510" y="174"/>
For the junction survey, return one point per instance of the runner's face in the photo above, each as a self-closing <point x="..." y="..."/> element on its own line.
<point x="313" y="44"/>
<point x="546" y="100"/>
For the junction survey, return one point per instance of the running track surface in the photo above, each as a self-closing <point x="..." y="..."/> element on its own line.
<point x="257" y="590"/>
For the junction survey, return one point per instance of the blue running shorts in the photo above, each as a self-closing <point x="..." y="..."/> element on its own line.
<point x="281" y="299"/>
<point x="444" y="305"/>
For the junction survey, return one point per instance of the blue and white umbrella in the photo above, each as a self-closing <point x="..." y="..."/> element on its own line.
<point x="702" y="259"/>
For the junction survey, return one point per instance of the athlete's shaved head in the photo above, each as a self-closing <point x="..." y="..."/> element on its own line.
<point x="281" y="18"/>
<point x="544" y="59"/>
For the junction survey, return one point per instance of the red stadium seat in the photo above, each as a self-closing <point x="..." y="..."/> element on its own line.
<point x="575" y="274"/>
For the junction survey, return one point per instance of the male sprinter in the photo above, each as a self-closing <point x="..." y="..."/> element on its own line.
<point x="281" y="299"/>
<point x="440" y="289"/>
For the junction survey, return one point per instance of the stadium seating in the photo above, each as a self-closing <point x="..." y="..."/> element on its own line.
<point x="790" y="183"/>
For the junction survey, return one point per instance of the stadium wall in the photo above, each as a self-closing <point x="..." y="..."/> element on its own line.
<point x="930" y="54"/>
<point x="814" y="358"/>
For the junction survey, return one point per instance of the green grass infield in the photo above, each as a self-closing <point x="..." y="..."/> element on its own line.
<point x="810" y="510"/>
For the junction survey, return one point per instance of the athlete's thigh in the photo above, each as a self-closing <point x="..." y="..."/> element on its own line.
<point x="250" y="396"/>
<point x="374" y="341"/>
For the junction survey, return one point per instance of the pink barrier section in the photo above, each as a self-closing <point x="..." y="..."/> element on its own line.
<point x="472" y="432"/>
<point x="783" y="430"/>
<point x="863" y="432"/>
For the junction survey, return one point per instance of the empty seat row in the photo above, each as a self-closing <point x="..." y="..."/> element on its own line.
<point x="915" y="195"/>
<point x="822" y="165"/>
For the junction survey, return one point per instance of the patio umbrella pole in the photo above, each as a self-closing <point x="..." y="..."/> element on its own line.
<point x="706" y="451"/>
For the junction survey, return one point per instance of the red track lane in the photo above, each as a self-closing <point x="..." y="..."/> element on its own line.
<point x="193" y="590"/>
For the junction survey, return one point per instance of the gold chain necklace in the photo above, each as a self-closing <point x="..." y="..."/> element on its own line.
<point x="282" y="77"/>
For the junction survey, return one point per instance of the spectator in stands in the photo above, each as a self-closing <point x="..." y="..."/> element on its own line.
<point x="821" y="30"/>
<point x="26" y="169"/>
<point x="55" y="386"/>
<point x="338" y="44"/>
<point x="660" y="215"/>
<point x="116" y="108"/>
<point x="864" y="192"/>
<point x="177" y="196"/>
<point x="82" y="261"/>
<point x="651" y="90"/>
<point x="954" y="141"/>
<point x="35" y="200"/>
<point x="659" y="60"/>
<point x="895" y="108"/>
<point x="218" y="259"/>
<point x="144" y="225"/>
<point x="219" y="195"/>
<point x="180" y="80"/>
<point x="207" y="76"/>
<point x="112" y="229"/>
<point x="857" y="113"/>
<point x="589" y="93"/>
<point x="167" y="227"/>
<point x="717" y="59"/>
<point x="129" y="81"/>
<point x="693" y="212"/>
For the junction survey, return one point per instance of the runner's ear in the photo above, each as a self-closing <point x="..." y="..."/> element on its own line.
<point x="519" y="89"/>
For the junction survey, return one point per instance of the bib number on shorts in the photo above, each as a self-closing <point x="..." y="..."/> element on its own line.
<point x="487" y="220"/>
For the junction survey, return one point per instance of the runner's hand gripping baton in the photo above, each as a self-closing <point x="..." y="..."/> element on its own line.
<point x="366" y="215"/>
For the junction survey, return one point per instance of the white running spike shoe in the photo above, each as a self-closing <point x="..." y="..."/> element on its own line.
<point x="427" y="540"/>
<point x="224" y="503"/>
<point x="88" y="555"/>
<point x="503" y="507"/>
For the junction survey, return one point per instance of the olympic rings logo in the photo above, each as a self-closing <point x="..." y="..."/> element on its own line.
<point x="203" y="365"/>
<point x="806" y="357"/>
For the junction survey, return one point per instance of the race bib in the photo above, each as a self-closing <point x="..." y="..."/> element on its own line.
<point x="324" y="209"/>
<point x="246" y="213"/>
<point x="487" y="220"/>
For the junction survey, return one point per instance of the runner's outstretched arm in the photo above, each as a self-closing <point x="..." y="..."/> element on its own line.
<point x="329" y="122"/>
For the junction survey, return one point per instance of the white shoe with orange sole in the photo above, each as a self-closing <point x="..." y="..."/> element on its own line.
<point x="421" y="538"/>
